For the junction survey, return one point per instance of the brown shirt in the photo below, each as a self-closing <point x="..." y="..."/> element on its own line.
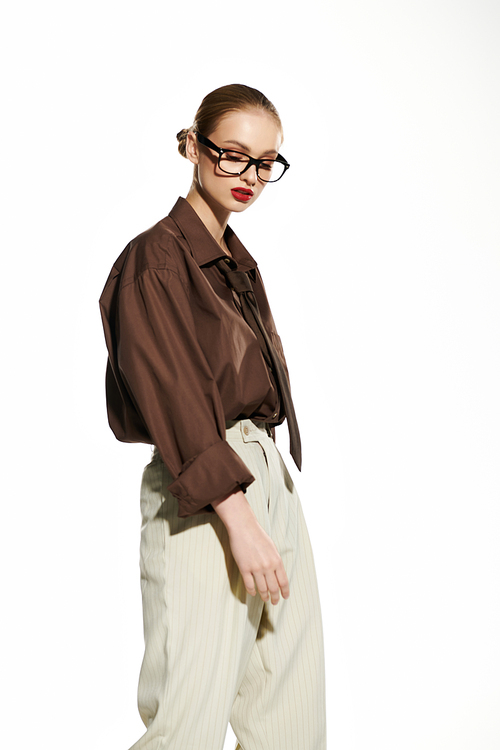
<point x="182" y="360"/>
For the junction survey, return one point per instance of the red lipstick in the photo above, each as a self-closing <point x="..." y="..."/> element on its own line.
<point x="242" y="194"/>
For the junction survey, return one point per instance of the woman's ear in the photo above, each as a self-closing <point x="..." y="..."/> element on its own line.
<point x="192" y="152"/>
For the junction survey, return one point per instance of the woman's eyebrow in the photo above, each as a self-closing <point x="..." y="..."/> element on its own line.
<point x="246" y="149"/>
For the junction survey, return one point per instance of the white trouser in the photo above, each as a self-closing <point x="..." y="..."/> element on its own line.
<point x="213" y="653"/>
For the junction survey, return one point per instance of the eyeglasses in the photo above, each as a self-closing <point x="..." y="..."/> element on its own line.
<point x="236" y="162"/>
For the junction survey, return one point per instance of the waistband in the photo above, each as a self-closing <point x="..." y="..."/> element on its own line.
<point x="247" y="430"/>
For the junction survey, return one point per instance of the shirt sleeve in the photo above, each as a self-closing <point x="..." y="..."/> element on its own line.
<point x="174" y="390"/>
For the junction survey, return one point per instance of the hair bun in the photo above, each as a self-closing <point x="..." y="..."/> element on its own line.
<point x="182" y="138"/>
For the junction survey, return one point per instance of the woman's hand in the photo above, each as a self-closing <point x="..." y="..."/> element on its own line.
<point x="254" y="551"/>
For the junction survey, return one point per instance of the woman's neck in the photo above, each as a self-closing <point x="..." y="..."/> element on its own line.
<point x="214" y="217"/>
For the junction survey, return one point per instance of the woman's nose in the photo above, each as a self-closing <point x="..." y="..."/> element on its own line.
<point x="250" y="176"/>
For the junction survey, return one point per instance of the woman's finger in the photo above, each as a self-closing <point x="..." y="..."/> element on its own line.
<point x="282" y="579"/>
<point x="261" y="583"/>
<point x="274" y="588"/>
<point x="249" y="584"/>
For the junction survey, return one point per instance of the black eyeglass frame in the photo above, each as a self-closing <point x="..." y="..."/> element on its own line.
<point x="258" y="162"/>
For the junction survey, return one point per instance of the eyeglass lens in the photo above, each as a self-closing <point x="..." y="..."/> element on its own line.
<point x="232" y="162"/>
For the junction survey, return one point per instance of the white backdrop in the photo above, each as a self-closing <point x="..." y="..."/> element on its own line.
<point x="381" y="255"/>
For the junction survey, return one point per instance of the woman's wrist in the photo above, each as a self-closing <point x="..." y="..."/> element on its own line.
<point x="233" y="509"/>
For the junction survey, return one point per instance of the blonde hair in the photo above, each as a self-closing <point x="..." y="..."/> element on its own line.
<point x="221" y="102"/>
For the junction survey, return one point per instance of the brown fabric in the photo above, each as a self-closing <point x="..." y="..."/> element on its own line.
<point x="240" y="283"/>
<point x="182" y="360"/>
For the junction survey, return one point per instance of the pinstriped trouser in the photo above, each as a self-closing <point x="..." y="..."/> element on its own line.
<point x="213" y="653"/>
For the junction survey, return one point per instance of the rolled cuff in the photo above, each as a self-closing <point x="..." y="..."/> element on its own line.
<point x="212" y="475"/>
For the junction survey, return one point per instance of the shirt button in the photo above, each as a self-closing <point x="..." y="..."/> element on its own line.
<point x="246" y="430"/>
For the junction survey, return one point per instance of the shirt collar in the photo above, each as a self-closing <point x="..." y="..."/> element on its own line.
<point x="203" y="246"/>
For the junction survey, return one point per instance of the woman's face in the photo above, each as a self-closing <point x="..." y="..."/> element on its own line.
<point x="254" y="133"/>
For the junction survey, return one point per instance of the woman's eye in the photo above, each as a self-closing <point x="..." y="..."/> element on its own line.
<point x="234" y="157"/>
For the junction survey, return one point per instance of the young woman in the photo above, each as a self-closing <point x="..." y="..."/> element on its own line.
<point x="232" y="620"/>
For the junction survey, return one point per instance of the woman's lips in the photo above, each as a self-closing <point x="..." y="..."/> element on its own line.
<point x="242" y="194"/>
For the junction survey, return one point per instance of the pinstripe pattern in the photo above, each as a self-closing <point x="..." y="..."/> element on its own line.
<point x="214" y="654"/>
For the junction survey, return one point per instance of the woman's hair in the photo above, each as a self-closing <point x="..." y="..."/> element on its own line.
<point x="223" y="101"/>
